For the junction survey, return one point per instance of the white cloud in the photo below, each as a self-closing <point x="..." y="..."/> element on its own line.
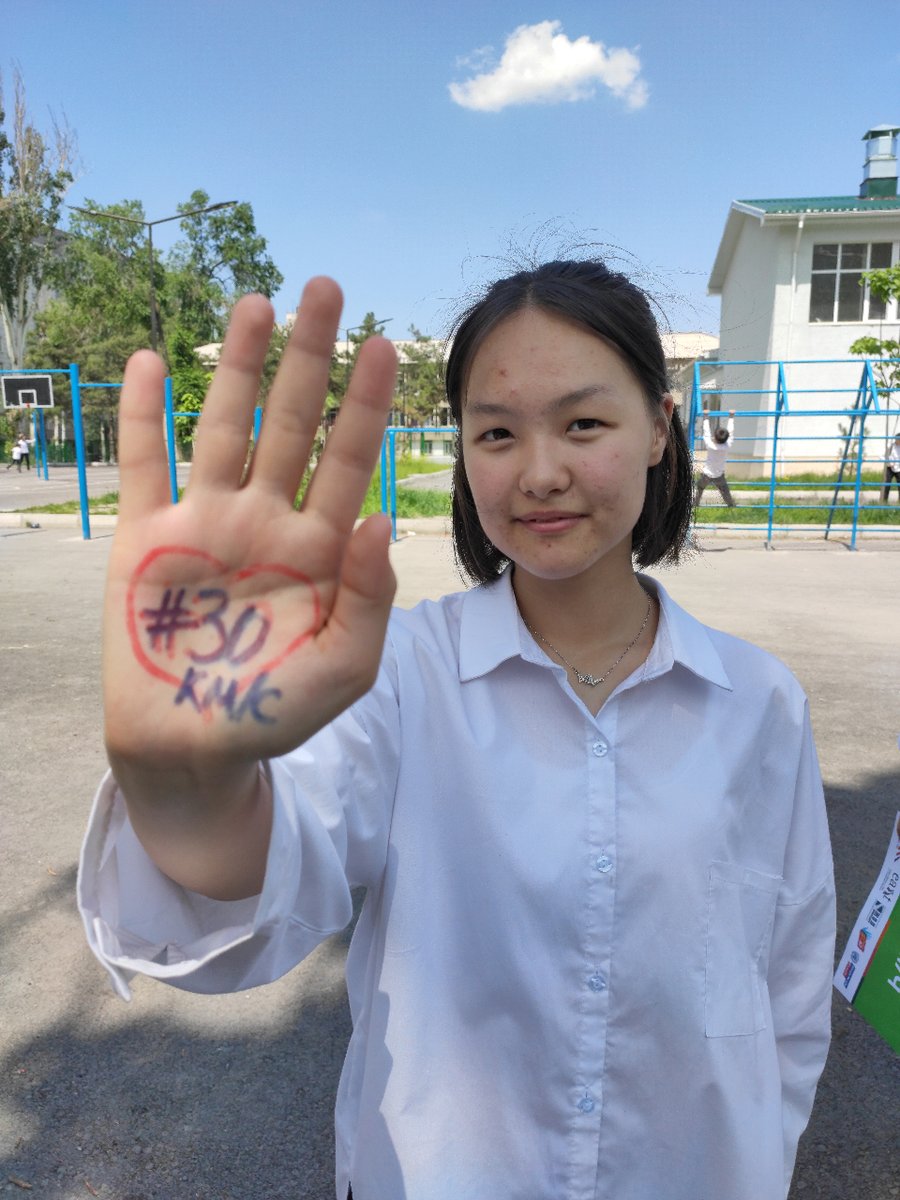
<point x="541" y="65"/>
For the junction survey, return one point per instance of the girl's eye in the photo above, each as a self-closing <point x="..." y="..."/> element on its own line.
<point x="584" y="424"/>
<point x="495" y="435"/>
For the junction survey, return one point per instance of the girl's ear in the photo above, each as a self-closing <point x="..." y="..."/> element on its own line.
<point x="661" y="423"/>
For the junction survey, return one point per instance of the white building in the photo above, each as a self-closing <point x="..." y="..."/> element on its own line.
<point x="682" y="350"/>
<point x="789" y="274"/>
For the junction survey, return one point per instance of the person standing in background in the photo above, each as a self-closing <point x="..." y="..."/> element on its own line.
<point x="892" y="471"/>
<point x="717" y="444"/>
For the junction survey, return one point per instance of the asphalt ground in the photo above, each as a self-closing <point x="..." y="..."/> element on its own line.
<point x="174" y="1096"/>
<point x="28" y="489"/>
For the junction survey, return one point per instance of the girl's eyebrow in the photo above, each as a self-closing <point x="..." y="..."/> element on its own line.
<point x="492" y="409"/>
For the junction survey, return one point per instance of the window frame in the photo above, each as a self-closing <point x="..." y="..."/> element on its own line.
<point x="840" y="275"/>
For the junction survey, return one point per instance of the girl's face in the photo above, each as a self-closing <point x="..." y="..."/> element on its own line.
<point x="557" y="438"/>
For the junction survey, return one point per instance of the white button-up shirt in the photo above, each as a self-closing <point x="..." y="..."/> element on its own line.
<point x="595" y="955"/>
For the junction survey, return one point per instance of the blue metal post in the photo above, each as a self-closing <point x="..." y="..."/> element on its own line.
<point x="384" y="483"/>
<point x="170" y="440"/>
<point x="392" y="456"/>
<point x="780" y="403"/>
<point x="257" y="422"/>
<point x="39" y="430"/>
<point x="871" y="394"/>
<point x="80" y="451"/>
<point x="695" y="404"/>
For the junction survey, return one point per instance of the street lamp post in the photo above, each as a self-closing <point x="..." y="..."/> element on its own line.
<point x="352" y="329"/>
<point x="148" y="225"/>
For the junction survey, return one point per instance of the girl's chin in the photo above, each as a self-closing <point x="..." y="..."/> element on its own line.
<point x="552" y="568"/>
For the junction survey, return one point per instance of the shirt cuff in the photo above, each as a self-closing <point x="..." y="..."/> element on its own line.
<point x="138" y="920"/>
<point x="135" y="917"/>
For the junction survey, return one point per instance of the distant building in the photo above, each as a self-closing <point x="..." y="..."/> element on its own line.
<point x="682" y="350"/>
<point x="789" y="272"/>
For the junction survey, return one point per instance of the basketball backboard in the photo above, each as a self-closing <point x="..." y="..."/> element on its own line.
<point x="27" y="391"/>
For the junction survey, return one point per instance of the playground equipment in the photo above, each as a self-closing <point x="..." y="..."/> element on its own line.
<point x="774" y="455"/>
<point x="872" y="422"/>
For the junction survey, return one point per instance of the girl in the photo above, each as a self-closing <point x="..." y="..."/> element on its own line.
<point x="595" y="954"/>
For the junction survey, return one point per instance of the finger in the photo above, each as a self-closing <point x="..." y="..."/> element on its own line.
<point x="143" y="469"/>
<point x="296" y="399"/>
<point x="223" y="432"/>
<point x="348" y="461"/>
<point x="359" y="617"/>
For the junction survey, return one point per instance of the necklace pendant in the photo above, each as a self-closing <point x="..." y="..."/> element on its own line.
<point x="589" y="680"/>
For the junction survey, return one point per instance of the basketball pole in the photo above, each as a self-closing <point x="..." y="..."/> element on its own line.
<point x="79" y="451"/>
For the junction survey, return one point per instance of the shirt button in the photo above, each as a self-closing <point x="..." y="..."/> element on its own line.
<point x="603" y="863"/>
<point x="600" y="748"/>
<point x="586" y="1103"/>
<point x="596" y="982"/>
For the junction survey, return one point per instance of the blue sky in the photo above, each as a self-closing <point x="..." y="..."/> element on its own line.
<point x="630" y="125"/>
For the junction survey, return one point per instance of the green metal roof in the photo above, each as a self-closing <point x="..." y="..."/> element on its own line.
<point x="825" y="204"/>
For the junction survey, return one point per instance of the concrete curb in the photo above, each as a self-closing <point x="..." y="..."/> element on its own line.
<point x="31" y="520"/>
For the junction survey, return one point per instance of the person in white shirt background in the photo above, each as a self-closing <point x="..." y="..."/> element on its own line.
<point x="892" y="470"/>
<point x="595" y="954"/>
<point x="718" y="444"/>
<point x="25" y="451"/>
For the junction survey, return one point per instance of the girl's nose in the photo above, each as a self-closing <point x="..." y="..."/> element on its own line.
<point x="543" y="472"/>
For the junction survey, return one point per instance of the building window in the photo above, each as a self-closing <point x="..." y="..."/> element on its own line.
<point x="835" y="292"/>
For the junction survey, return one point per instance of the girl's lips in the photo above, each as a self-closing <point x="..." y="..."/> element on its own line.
<point x="551" y="522"/>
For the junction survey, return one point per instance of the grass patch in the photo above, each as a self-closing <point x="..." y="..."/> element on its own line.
<point x="411" y="502"/>
<point x="829" y="479"/>
<point x="798" y="514"/>
<point x="416" y="502"/>
<point x="407" y="465"/>
<point x="107" y="503"/>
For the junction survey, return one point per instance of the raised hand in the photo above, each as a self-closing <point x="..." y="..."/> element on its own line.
<point x="235" y="626"/>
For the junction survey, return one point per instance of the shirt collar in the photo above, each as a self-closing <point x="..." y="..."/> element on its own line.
<point x="491" y="632"/>
<point x="489" y="627"/>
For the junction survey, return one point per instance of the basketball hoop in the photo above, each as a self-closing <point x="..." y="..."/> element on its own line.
<point x="32" y="391"/>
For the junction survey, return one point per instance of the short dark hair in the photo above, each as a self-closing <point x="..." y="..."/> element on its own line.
<point x="720" y="435"/>
<point x="610" y="305"/>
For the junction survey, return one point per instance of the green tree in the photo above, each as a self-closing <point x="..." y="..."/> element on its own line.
<point x="190" y="381"/>
<point x="884" y="284"/>
<point x="100" y="316"/>
<point x="420" y="381"/>
<point x="222" y="256"/>
<point x="35" y="173"/>
<point x="102" y="311"/>
<point x="343" y="361"/>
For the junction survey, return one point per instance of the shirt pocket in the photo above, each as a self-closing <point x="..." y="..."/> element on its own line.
<point x="740" y="916"/>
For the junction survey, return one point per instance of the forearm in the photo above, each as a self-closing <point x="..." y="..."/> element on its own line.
<point x="206" y="829"/>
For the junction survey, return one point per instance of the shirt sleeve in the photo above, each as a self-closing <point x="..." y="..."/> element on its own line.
<point x="707" y="436"/>
<point x="802" y="953"/>
<point x="332" y="805"/>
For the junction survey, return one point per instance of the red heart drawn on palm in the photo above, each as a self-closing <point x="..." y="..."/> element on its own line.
<point x="212" y="623"/>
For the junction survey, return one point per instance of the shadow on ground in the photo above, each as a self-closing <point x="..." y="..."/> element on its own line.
<point x="134" y="1108"/>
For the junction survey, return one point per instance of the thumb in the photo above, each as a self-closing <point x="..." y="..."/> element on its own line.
<point x="367" y="587"/>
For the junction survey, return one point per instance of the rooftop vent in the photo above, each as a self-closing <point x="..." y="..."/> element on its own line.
<point x="880" y="167"/>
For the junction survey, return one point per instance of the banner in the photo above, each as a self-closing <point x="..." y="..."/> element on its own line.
<point x="868" y="974"/>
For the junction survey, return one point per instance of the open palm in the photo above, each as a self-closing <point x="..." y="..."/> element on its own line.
<point x="236" y="626"/>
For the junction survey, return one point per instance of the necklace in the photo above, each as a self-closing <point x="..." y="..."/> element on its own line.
<point x="591" y="680"/>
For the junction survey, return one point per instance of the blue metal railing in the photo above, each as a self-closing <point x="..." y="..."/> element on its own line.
<point x="389" y="463"/>
<point x="869" y="401"/>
